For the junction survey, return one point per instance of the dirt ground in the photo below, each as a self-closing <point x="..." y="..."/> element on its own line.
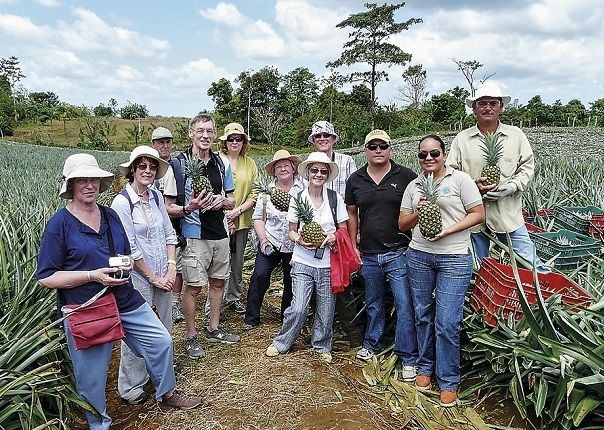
<point x="244" y="389"/>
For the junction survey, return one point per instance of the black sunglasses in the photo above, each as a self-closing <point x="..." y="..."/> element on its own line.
<point x="434" y="153"/>
<point x="373" y="146"/>
<point x="237" y="139"/>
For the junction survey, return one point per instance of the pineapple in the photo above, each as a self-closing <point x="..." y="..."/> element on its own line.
<point x="279" y="197"/>
<point x="196" y="170"/>
<point x="311" y="231"/>
<point x="493" y="150"/>
<point x="119" y="182"/>
<point x="430" y="219"/>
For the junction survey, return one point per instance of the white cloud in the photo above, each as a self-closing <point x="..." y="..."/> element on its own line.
<point x="128" y="73"/>
<point x="198" y="73"/>
<point x="23" y="29"/>
<point x="49" y="3"/>
<point x="225" y="13"/>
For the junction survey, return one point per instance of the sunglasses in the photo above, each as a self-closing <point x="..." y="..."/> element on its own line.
<point x="237" y="139"/>
<point x="322" y="135"/>
<point x="315" y="170"/>
<point x="373" y="146"/>
<point x="144" y="166"/>
<point x="434" y="153"/>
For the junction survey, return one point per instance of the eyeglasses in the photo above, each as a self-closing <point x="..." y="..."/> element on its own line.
<point x="434" y="153"/>
<point x="232" y="139"/>
<point x="144" y="166"/>
<point x="373" y="146"/>
<point x="322" y="135"/>
<point x="489" y="103"/>
<point x="201" y="131"/>
<point x="315" y="170"/>
<point x="84" y="181"/>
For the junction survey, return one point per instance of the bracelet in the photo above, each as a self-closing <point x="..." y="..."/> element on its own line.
<point x="172" y="262"/>
<point x="88" y="275"/>
<point x="240" y="210"/>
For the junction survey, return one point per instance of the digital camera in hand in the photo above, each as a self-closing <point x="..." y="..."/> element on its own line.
<point x="120" y="261"/>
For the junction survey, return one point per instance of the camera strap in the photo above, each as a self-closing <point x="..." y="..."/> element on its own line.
<point x="109" y="234"/>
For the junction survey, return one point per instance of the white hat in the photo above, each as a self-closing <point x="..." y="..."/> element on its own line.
<point x="83" y="166"/>
<point x="148" y="152"/>
<point x="161" y="133"/>
<point x="282" y="154"/>
<point x="488" y="89"/>
<point x="322" y="127"/>
<point x="319" y="157"/>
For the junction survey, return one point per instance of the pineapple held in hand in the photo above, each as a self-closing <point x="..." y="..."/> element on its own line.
<point x="196" y="170"/>
<point x="492" y="152"/>
<point x="311" y="231"/>
<point x="279" y="197"/>
<point x="430" y="219"/>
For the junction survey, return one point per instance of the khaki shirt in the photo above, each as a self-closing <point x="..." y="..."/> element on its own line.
<point x="517" y="166"/>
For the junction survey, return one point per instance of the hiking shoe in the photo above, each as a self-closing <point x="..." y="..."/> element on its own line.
<point x="180" y="401"/>
<point x="221" y="335"/>
<point x="422" y="382"/>
<point x="137" y="399"/>
<point x="177" y="315"/>
<point x="409" y="373"/>
<point x="248" y="327"/>
<point x="364" y="354"/>
<point x="326" y="357"/>
<point x="193" y="348"/>
<point x="448" y="398"/>
<point x="237" y="306"/>
<point x="271" y="351"/>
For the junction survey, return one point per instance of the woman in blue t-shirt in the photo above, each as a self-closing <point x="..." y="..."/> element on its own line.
<point x="74" y="259"/>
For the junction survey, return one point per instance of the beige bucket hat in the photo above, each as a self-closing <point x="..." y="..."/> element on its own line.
<point x="144" y="151"/>
<point x="83" y="166"/>
<point x="282" y="154"/>
<point x="319" y="157"/>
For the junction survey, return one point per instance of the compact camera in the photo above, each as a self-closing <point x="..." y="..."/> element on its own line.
<point x="120" y="261"/>
<point x="268" y="249"/>
<point x="319" y="252"/>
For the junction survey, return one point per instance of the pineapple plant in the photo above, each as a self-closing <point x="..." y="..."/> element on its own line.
<point x="311" y="230"/>
<point x="430" y="219"/>
<point x="279" y="198"/>
<point x="492" y="152"/>
<point x="196" y="170"/>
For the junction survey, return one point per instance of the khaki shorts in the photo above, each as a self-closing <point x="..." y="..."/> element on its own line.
<point x="178" y="258"/>
<point x="203" y="259"/>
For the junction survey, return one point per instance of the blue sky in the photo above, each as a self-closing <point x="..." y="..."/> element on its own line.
<point x="165" y="54"/>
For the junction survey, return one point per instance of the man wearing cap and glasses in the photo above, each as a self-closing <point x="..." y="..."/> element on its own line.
<point x="161" y="141"/>
<point x="373" y="200"/>
<point x="323" y="136"/>
<point x="205" y="259"/>
<point x="503" y="201"/>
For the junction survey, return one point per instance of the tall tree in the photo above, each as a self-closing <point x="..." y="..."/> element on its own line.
<point x="11" y="70"/>
<point x="369" y="43"/>
<point x="259" y="88"/>
<point x="468" y="69"/>
<point x="413" y="92"/>
<point x="331" y="84"/>
<point x="299" y="90"/>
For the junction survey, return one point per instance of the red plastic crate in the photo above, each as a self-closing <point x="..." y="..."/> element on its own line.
<point x="496" y="290"/>
<point x="533" y="228"/>
<point x="596" y="227"/>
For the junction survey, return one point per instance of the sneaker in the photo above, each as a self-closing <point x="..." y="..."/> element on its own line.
<point x="326" y="357"/>
<point x="237" y="306"/>
<point x="248" y="327"/>
<point x="177" y="315"/>
<point x="364" y="354"/>
<point x="448" y="398"/>
<point x="422" y="382"/>
<point x="193" y="348"/>
<point x="221" y="335"/>
<point x="179" y="401"/>
<point x="271" y="351"/>
<point x="409" y="373"/>
<point x="138" y="399"/>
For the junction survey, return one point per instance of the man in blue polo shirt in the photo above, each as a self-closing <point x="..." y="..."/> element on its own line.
<point x="205" y="259"/>
<point x="373" y="200"/>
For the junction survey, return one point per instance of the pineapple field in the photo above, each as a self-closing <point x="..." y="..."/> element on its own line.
<point x="547" y="364"/>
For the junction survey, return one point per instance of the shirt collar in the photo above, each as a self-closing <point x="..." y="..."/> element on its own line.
<point x="474" y="131"/>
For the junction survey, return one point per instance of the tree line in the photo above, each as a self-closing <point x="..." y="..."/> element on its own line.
<point x="280" y="108"/>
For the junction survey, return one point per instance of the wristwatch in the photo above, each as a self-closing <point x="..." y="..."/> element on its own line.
<point x="185" y="211"/>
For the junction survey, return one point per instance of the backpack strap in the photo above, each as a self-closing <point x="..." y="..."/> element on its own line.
<point x="124" y="193"/>
<point x="333" y="205"/>
<point x="178" y="169"/>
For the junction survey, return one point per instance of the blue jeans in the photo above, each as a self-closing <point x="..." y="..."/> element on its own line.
<point x="146" y="337"/>
<point x="438" y="285"/>
<point x="375" y="270"/>
<point x="521" y="243"/>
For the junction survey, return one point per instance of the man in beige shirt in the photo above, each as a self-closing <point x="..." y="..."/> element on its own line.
<point x="503" y="201"/>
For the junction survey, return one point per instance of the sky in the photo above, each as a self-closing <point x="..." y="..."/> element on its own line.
<point x="165" y="54"/>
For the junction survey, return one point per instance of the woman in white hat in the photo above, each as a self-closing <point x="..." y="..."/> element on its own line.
<point x="152" y="243"/>
<point x="310" y="265"/>
<point x="234" y="145"/>
<point x="74" y="260"/>
<point x="272" y="229"/>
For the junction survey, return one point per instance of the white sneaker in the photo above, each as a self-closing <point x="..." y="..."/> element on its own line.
<point x="409" y="373"/>
<point x="364" y="354"/>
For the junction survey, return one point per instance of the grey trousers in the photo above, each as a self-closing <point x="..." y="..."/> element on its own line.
<point x="133" y="372"/>
<point x="234" y="287"/>
<point x="305" y="279"/>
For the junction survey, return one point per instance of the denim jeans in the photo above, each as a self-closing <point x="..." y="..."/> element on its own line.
<point x="375" y="270"/>
<point x="521" y="243"/>
<point x="438" y="285"/>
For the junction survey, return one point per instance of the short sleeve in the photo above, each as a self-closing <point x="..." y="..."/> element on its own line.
<point x="169" y="180"/>
<point x="229" y="185"/>
<point x="52" y="249"/>
<point x="407" y="201"/>
<point x="468" y="191"/>
<point x="341" y="212"/>
<point x="349" y="196"/>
